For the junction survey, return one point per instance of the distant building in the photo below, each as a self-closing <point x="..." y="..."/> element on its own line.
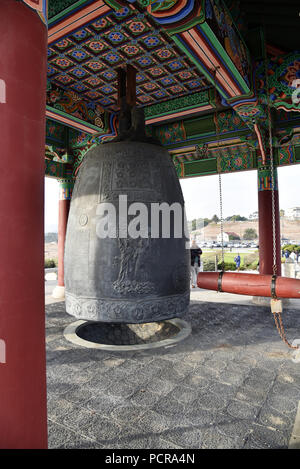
<point x="226" y="236"/>
<point x="293" y="213"/>
<point x="253" y="216"/>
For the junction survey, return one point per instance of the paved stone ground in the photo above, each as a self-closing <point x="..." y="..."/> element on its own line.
<point x="231" y="384"/>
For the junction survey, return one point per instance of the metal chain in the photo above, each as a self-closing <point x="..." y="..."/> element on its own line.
<point x="219" y="170"/>
<point x="277" y="316"/>
<point x="281" y="331"/>
<point x="272" y="173"/>
<point x="222" y="221"/>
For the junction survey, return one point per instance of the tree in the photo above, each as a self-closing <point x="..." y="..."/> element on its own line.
<point x="250" y="233"/>
<point x="215" y="219"/>
<point x="194" y="225"/>
<point x="281" y="213"/>
<point x="236" y="218"/>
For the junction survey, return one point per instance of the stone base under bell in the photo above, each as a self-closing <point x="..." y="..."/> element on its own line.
<point x="128" y="311"/>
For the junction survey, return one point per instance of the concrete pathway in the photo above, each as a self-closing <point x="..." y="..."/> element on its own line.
<point x="231" y="384"/>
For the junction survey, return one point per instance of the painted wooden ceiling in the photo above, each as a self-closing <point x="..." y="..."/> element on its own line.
<point x="85" y="60"/>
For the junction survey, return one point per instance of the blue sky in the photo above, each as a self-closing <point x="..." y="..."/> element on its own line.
<point x="201" y="194"/>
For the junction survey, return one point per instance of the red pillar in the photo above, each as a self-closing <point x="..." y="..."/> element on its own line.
<point x="265" y="222"/>
<point x="64" y="207"/>
<point x="65" y="194"/>
<point x="23" y="59"/>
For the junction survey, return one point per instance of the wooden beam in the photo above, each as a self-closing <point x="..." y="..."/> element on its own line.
<point x="121" y="85"/>
<point x="131" y="85"/>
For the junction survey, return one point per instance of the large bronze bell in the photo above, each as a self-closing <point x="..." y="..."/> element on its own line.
<point x="117" y="278"/>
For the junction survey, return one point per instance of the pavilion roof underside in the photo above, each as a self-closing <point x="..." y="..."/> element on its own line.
<point x="85" y="61"/>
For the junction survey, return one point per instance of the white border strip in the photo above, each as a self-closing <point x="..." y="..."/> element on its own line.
<point x="71" y="336"/>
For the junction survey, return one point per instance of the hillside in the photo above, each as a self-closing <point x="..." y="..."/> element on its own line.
<point x="289" y="229"/>
<point x="51" y="250"/>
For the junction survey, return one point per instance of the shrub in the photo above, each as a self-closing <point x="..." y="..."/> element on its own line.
<point x="291" y="247"/>
<point x="209" y="265"/>
<point x="227" y="266"/>
<point x="250" y="259"/>
<point x="50" y="263"/>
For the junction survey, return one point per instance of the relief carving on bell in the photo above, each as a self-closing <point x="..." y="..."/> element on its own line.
<point x="110" y="275"/>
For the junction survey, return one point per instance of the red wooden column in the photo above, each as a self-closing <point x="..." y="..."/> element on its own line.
<point x="265" y="221"/>
<point x="65" y="195"/>
<point x="23" y="58"/>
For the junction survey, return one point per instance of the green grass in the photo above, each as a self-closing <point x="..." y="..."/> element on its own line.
<point x="228" y="256"/>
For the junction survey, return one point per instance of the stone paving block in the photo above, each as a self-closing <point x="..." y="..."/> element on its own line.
<point x="123" y="388"/>
<point x="56" y="371"/>
<point x="277" y="420"/>
<point x="171" y="408"/>
<point x="238" y="430"/>
<point x="263" y="437"/>
<point x="231" y="378"/>
<point x="158" y="367"/>
<point x="53" y="333"/>
<point x="285" y="377"/>
<point x="282" y="404"/>
<point x="60" y="344"/>
<point x="211" y="438"/>
<point x="141" y="442"/>
<point x="182" y="368"/>
<point x="58" y="389"/>
<point x="204" y="372"/>
<point x="76" y="395"/>
<point x="99" y="382"/>
<point x="196" y="381"/>
<point x="242" y="410"/>
<point x="137" y="371"/>
<point x="84" y="360"/>
<point x="127" y="368"/>
<point x="251" y="394"/>
<point x="57" y="408"/>
<point x="160" y="386"/>
<point x="231" y="384"/>
<point x="215" y="364"/>
<point x="126" y="414"/>
<point x="210" y="401"/>
<point x="188" y="438"/>
<point x="152" y="423"/>
<point x="226" y="391"/>
<point x="104" y="430"/>
<point x="59" y="435"/>
<point x="77" y="418"/>
<point x="172" y="375"/>
<point x="144" y="397"/>
<point x="202" y="418"/>
<point x="260" y="376"/>
<point x="104" y="404"/>
<point x="289" y="391"/>
<point x="183" y="394"/>
<point x="194" y="358"/>
<point x="113" y="362"/>
<point x="81" y="443"/>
